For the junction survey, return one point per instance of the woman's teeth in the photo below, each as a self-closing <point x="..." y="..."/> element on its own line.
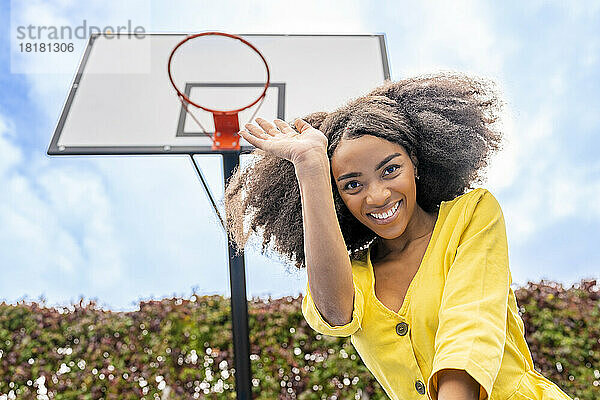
<point x="387" y="213"/>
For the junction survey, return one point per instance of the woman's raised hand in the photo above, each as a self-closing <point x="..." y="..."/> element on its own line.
<point x="283" y="141"/>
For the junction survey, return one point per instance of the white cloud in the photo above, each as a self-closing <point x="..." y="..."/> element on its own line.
<point x="429" y="36"/>
<point x="574" y="11"/>
<point x="549" y="188"/>
<point x="55" y="221"/>
<point x="78" y="200"/>
<point x="589" y="57"/>
<point x="271" y="16"/>
<point x="503" y="168"/>
<point x="10" y="155"/>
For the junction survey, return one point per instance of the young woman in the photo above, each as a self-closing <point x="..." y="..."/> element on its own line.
<point x="373" y="200"/>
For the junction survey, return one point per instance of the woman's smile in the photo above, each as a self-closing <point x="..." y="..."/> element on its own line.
<point x="387" y="216"/>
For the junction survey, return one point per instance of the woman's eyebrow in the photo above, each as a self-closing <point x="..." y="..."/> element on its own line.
<point x="381" y="164"/>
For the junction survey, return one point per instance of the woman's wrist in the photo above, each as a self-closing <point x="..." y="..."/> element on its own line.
<point x="312" y="163"/>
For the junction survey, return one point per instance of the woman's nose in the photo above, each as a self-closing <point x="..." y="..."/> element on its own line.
<point x="377" y="195"/>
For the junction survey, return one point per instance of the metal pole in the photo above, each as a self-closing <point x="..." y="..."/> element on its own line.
<point x="239" y="304"/>
<point x="208" y="193"/>
<point x="237" y="283"/>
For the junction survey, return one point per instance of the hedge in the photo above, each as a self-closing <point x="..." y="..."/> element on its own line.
<point x="178" y="348"/>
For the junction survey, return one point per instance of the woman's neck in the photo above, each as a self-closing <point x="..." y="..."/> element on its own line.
<point x="419" y="228"/>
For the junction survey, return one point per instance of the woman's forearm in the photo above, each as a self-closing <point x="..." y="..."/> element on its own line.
<point x="327" y="260"/>
<point x="457" y="384"/>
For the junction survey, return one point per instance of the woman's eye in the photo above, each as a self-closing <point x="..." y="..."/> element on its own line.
<point x="347" y="185"/>
<point x="391" y="168"/>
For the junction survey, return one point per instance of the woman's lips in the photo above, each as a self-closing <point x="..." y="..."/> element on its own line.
<point x="388" y="219"/>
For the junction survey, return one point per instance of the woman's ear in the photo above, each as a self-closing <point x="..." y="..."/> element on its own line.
<point x="415" y="161"/>
<point x="413" y="158"/>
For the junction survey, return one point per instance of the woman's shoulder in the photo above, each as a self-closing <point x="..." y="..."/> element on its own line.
<point x="478" y="205"/>
<point x="479" y="198"/>
<point x="473" y="214"/>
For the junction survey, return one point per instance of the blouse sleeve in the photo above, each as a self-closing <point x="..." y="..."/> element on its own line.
<point x="317" y="322"/>
<point x="472" y="318"/>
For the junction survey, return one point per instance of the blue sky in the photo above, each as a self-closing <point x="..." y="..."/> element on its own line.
<point x="121" y="229"/>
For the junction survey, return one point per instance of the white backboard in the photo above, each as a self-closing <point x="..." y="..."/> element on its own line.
<point x="122" y="102"/>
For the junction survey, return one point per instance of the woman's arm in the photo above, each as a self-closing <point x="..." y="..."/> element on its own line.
<point x="327" y="260"/>
<point x="326" y="256"/>
<point x="457" y="384"/>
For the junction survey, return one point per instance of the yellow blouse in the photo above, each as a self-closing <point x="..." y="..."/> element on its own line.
<point x="459" y="312"/>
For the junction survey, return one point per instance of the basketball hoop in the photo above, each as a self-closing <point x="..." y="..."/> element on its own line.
<point x="226" y="121"/>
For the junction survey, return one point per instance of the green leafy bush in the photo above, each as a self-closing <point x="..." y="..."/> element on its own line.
<point x="182" y="348"/>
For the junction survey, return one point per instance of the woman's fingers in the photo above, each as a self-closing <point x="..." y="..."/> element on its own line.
<point x="254" y="140"/>
<point x="301" y="125"/>
<point x="283" y="126"/>
<point x="267" y="126"/>
<point x="257" y="131"/>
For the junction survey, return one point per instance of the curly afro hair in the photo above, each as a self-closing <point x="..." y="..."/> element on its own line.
<point x="447" y="121"/>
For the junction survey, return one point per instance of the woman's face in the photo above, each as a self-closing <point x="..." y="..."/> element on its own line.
<point x="376" y="181"/>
